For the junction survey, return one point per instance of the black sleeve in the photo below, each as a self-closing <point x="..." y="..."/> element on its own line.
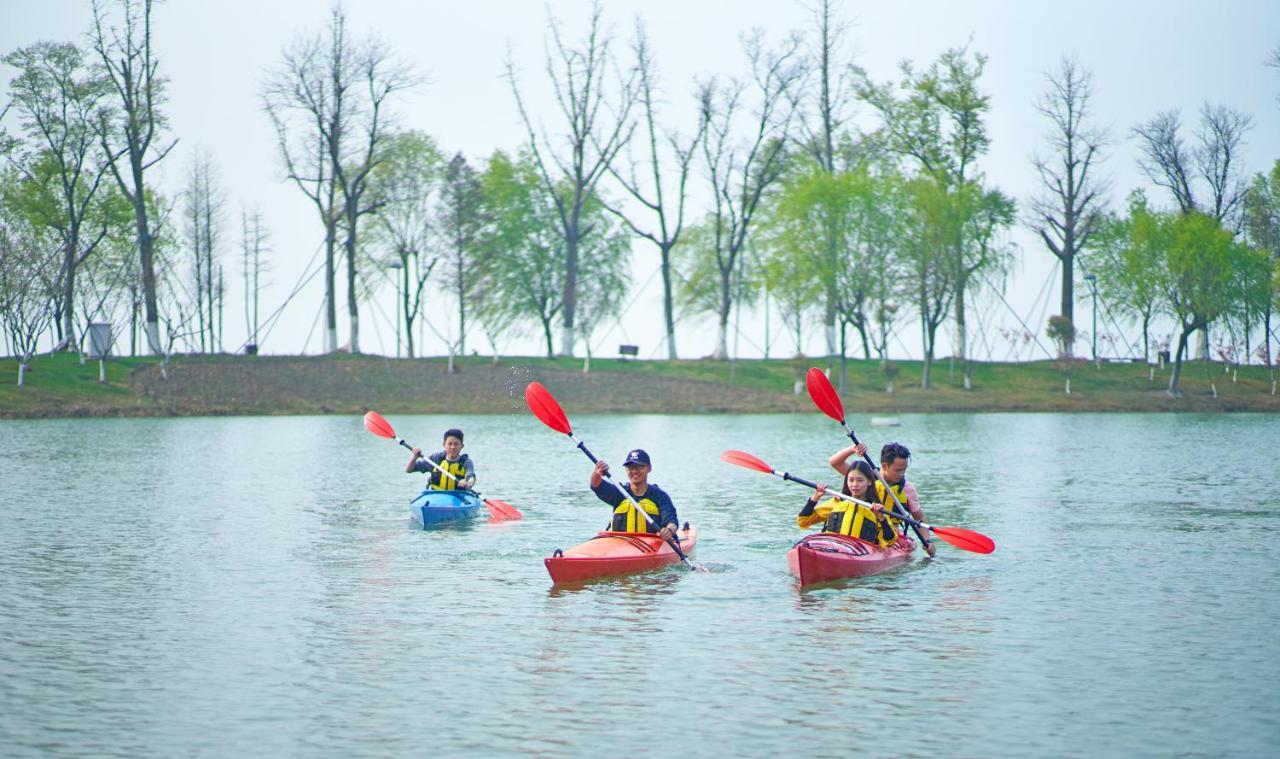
<point x="809" y="506"/>
<point x="609" y="493"/>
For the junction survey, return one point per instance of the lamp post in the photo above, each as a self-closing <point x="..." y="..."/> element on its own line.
<point x="395" y="265"/>
<point x="1093" y="288"/>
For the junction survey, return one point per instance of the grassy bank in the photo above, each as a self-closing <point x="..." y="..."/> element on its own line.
<point x="59" y="386"/>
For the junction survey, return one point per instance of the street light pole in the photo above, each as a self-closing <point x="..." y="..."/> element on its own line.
<point x="1093" y="288"/>
<point x="395" y="265"/>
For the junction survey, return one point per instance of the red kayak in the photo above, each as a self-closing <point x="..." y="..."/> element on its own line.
<point x="828" y="556"/>
<point x="617" y="553"/>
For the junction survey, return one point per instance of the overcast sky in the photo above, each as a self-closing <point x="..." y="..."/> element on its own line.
<point x="1145" y="57"/>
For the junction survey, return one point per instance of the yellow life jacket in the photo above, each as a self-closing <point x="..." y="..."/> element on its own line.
<point x="456" y="468"/>
<point x="858" y="521"/>
<point x="886" y="500"/>
<point x="627" y="519"/>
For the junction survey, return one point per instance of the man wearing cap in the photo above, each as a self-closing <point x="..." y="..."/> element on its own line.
<point x="655" y="501"/>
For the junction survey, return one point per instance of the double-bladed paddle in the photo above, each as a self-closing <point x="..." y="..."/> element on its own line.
<point x="545" y="406"/>
<point x="499" y="510"/>
<point x="824" y="396"/>
<point x="967" y="540"/>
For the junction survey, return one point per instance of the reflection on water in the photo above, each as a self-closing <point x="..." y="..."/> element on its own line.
<point x="263" y="592"/>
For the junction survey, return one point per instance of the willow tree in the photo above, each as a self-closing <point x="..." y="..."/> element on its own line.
<point x="56" y="96"/>
<point x="572" y="163"/>
<point x="408" y="187"/>
<point x="1199" y="286"/>
<point x="935" y="119"/>
<point x="1128" y="259"/>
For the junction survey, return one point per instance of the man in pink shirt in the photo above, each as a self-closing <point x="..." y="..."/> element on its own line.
<point x="893" y="467"/>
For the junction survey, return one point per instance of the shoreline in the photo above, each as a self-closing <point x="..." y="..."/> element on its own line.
<point x="220" y="385"/>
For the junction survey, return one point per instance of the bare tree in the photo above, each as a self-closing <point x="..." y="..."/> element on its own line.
<point x="1212" y="165"/>
<point x="823" y="111"/>
<point x="328" y="106"/>
<point x="254" y="241"/>
<point x="57" y="97"/>
<point x="204" y="211"/>
<point x="571" y="166"/>
<point x="1068" y="211"/>
<point x="666" y="208"/>
<point x="136" y="121"/>
<point x="28" y="268"/>
<point x="741" y="171"/>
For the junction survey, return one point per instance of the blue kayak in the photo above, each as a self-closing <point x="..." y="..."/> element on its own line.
<point x="440" y="507"/>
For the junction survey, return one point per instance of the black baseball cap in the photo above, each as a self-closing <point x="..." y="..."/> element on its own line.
<point x="637" y="457"/>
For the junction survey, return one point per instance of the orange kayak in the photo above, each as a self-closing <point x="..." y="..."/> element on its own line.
<point x="617" y="553"/>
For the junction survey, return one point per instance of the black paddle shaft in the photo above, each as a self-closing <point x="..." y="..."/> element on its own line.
<point x="899" y="514"/>
<point x="674" y="542"/>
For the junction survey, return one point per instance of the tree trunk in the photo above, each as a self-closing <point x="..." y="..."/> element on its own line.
<point x="1177" y="363"/>
<point x="353" y="308"/>
<point x="1146" y="338"/>
<point x="462" y="305"/>
<point x="927" y="371"/>
<point x="866" y="344"/>
<point x="570" y="292"/>
<point x="667" y="310"/>
<point x="1068" y="291"/>
<point x="68" y="292"/>
<point x="546" y="331"/>
<point x="962" y="335"/>
<point x="844" y="358"/>
<point x="330" y="289"/>
<point x="408" y="317"/>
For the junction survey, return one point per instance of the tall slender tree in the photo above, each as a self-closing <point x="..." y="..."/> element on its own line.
<point x="740" y="171"/>
<point x="130" y="129"/>
<point x="1069" y="207"/>
<point x="328" y="103"/>
<point x="662" y="201"/>
<point x="595" y="129"/>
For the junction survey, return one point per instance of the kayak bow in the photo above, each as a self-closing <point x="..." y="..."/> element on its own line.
<point x="433" y="508"/>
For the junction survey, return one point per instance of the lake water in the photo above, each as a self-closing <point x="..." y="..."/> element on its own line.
<point x="230" y="586"/>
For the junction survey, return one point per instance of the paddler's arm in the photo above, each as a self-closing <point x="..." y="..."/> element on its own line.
<point x="839" y="461"/>
<point x="913" y="505"/>
<point x="411" y="467"/>
<point x="468" y="475"/>
<point x="667" y="516"/>
<point x="807" y="518"/>
<point x="605" y="491"/>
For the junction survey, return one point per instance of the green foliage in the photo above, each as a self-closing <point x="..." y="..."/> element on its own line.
<point x="1062" y="332"/>
<point x="522" y="277"/>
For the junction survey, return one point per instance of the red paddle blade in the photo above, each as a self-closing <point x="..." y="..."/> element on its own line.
<point x="544" y="406"/>
<point x="746" y="460"/>
<point x="374" y="422"/>
<point x="966" y="540"/>
<point x="502" y="510"/>
<point x="823" y="394"/>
